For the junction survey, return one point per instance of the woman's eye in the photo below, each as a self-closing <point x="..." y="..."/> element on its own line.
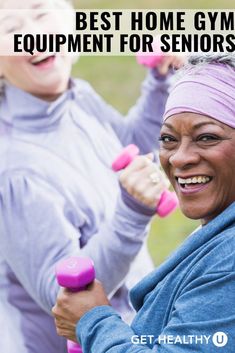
<point x="208" y="138"/>
<point x="167" y="138"/>
<point x="12" y="30"/>
<point x="41" y="15"/>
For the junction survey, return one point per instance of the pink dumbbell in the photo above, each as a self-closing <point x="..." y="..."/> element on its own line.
<point x="168" y="201"/>
<point x="75" y="273"/>
<point x="151" y="60"/>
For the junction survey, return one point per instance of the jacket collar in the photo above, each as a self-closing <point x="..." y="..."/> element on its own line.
<point x="24" y="111"/>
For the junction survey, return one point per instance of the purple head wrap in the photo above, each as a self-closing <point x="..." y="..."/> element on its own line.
<point x="207" y="90"/>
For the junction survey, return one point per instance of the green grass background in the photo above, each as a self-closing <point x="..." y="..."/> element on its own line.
<point x="118" y="80"/>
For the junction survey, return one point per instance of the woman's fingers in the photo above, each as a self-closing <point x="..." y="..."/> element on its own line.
<point x="140" y="162"/>
<point x="144" y="181"/>
<point x="171" y="61"/>
<point x="165" y="65"/>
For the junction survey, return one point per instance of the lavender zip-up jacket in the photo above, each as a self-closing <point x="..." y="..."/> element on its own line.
<point x="59" y="197"/>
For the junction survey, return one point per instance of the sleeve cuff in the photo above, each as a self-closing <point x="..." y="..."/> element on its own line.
<point x="89" y="320"/>
<point x="135" y="205"/>
<point x="163" y="82"/>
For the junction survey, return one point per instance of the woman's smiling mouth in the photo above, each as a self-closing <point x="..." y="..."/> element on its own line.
<point x="193" y="184"/>
<point x="44" y="61"/>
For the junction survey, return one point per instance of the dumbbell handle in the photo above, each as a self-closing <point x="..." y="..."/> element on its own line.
<point x="168" y="200"/>
<point x="75" y="273"/>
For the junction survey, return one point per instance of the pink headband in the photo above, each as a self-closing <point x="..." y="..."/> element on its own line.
<point x="207" y="90"/>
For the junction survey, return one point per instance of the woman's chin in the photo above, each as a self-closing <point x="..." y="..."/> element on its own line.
<point x="51" y="91"/>
<point x="194" y="212"/>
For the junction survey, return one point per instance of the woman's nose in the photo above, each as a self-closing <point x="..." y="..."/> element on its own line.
<point x="184" y="156"/>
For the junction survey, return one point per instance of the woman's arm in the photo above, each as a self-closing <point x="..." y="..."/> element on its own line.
<point x="39" y="227"/>
<point x="142" y="124"/>
<point x="203" y="310"/>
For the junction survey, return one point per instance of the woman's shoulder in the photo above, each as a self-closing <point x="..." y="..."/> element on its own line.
<point x="87" y="94"/>
<point x="83" y="86"/>
<point x="221" y="256"/>
<point x="216" y="255"/>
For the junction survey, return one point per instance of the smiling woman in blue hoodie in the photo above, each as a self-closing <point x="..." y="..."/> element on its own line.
<point x="187" y="304"/>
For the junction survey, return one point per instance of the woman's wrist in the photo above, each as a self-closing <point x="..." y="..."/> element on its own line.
<point x="136" y="205"/>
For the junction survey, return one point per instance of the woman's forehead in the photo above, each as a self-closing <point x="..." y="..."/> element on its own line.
<point x="9" y="9"/>
<point x="193" y="121"/>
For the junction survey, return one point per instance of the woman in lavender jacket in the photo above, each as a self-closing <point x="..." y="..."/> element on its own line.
<point x="58" y="194"/>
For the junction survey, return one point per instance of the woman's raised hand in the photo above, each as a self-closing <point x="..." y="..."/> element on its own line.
<point x="144" y="181"/>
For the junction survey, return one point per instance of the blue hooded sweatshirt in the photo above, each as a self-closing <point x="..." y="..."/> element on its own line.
<point x="185" y="305"/>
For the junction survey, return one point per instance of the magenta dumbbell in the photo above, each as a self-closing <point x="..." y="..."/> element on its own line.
<point x="151" y="60"/>
<point x="75" y="273"/>
<point x="168" y="200"/>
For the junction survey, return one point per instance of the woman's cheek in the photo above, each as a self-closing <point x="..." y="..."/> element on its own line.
<point x="164" y="159"/>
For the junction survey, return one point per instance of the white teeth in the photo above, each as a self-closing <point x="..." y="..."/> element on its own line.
<point x="194" y="180"/>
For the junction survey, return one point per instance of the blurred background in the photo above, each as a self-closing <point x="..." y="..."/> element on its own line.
<point x="118" y="81"/>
